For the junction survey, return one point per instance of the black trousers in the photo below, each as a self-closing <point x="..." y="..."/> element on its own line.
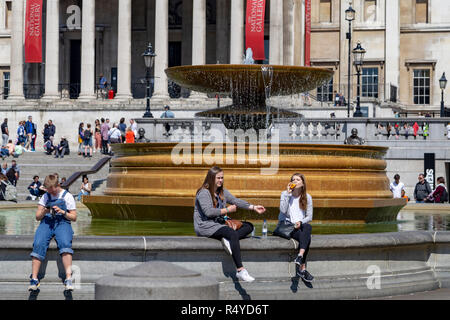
<point x="234" y="236"/>
<point x="303" y="236"/>
<point x="104" y="146"/>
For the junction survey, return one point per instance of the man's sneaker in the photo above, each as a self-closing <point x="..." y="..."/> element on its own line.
<point x="244" y="276"/>
<point x="33" y="198"/>
<point x="305" y="275"/>
<point x="226" y="246"/>
<point x="68" y="284"/>
<point x="34" y="285"/>
<point x="298" y="260"/>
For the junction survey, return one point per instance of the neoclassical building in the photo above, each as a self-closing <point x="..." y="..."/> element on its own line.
<point x="406" y="42"/>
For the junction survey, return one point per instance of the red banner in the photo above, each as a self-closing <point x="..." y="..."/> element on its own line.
<point x="33" y="32"/>
<point x="254" y="28"/>
<point x="307" y="32"/>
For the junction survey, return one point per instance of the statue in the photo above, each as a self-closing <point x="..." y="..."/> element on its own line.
<point x="354" y="139"/>
<point x="142" y="138"/>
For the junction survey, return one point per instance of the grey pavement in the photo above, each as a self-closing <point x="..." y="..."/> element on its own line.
<point x="439" y="294"/>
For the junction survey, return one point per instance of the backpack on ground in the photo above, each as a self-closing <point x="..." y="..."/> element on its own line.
<point x="10" y="193"/>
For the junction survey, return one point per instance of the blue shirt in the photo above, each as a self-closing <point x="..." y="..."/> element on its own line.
<point x="167" y="114"/>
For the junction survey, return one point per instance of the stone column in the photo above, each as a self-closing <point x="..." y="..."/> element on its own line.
<point x="88" y="51"/>
<point x="52" y="51"/>
<point x="299" y="32"/>
<point x="288" y="32"/>
<point x="199" y="32"/>
<point x="392" y="45"/>
<point x="222" y="31"/>
<point x="161" y="48"/>
<point x="237" y="50"/>
<point x="276" y="32"/>
<point x="124" y="51"/>
<point x="17" y="46"/>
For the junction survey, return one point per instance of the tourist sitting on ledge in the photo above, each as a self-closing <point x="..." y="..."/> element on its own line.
<point x="49" y="147"/>
<point x="62" y="148"/>
<point x="211" y="213"/>
<point x="86" y="188"/>
<point x="36" y="188"/>
<point x="296" y="207"/>
<point x="55" y="211"/>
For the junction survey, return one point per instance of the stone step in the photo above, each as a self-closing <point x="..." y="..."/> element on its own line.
<point x="47" y="291"/>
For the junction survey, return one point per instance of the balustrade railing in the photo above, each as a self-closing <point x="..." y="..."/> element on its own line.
<point x="373" y="131"/>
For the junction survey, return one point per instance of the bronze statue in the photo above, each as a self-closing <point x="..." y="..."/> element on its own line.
<point x="142" y="138"/>
<point x="354" y="139"/>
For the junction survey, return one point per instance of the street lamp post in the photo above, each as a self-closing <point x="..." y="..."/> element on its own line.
<point x="149" y="60"/>
<point x="442" y="84"/>
<point x="358" y="55"/>
<point x="349" y="16"/>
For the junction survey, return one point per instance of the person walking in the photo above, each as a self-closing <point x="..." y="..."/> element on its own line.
<point x="29" y="129"/>
<point x="422" y="189"/>
<point x="296" y="207"/>
<point x="396" y="187"/>
<point x="56" y="210"/>
<point x="211" y="211"/>
<point x="5" y="132"/>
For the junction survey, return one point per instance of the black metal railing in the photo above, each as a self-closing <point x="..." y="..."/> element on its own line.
<point x="69" y="90"/>
<point x="33" y="91"/>
<point x="74" y="177"/>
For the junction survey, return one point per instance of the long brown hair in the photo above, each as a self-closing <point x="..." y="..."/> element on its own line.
<point x="303" y="200"/>
<point x="210" y="182"/>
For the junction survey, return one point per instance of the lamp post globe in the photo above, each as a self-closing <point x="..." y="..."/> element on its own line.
<point x="349" y="16"/>
<point x="149" y="60"/>
<point x="358" y="55"/>
<point x="442" y="85"/>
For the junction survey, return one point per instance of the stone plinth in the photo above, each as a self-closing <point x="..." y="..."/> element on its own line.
<point x="156" y="280"/>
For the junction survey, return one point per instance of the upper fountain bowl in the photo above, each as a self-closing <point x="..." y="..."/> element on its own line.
<point x="241" y="78"/>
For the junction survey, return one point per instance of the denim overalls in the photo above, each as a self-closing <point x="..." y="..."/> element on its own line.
<point x="53" y="226"/>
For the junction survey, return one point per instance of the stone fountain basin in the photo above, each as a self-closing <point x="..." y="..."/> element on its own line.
<point x="347" y="183"/>
<point x="242" y="78"/>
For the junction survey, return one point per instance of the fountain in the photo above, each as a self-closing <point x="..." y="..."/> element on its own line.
<point x="348" y="183"/>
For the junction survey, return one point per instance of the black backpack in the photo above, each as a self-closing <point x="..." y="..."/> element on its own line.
<point x="87" y="134"/>
<point x="444" y="197"/>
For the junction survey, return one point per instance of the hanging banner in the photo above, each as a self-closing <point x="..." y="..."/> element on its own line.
<point x="254" y="28"/>
<point x="307" y="33"/>
<point x="33" y="32"/>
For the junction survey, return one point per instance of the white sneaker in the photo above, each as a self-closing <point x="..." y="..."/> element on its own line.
<point x="226" y="246"/>
<point x="33" y="198"/>
<point x="244" y="276"/>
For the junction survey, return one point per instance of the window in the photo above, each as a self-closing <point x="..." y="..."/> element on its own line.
<point x="5" y="85"/>
<point x="370" y="82"/>
<point x="8" y="15"/>
<point x="421" y="89"/>
<point x="421" y="11"/>
<point x="370" y="10"/>
<point x="325" y="10"/>
<point x="325" y="92"/>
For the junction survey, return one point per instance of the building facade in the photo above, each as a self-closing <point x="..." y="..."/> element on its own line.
<point x="406" y="42"/>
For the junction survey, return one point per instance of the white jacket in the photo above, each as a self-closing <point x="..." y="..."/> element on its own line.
<point x="284" y="209"/>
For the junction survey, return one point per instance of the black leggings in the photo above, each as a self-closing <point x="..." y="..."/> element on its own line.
<point x="303" y="236"/>
<point x="234" y="236"/>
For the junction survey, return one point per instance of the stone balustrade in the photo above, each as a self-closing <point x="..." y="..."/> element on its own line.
<point x="373" y="131"/>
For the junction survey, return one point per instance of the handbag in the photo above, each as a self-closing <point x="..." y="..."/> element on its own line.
<point x="284" y="229"/>
<point x="233" y="224"/>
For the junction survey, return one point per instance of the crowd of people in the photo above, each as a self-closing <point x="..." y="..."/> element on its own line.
<point x="100" y="136"/>
<point x="423" y="192"/>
